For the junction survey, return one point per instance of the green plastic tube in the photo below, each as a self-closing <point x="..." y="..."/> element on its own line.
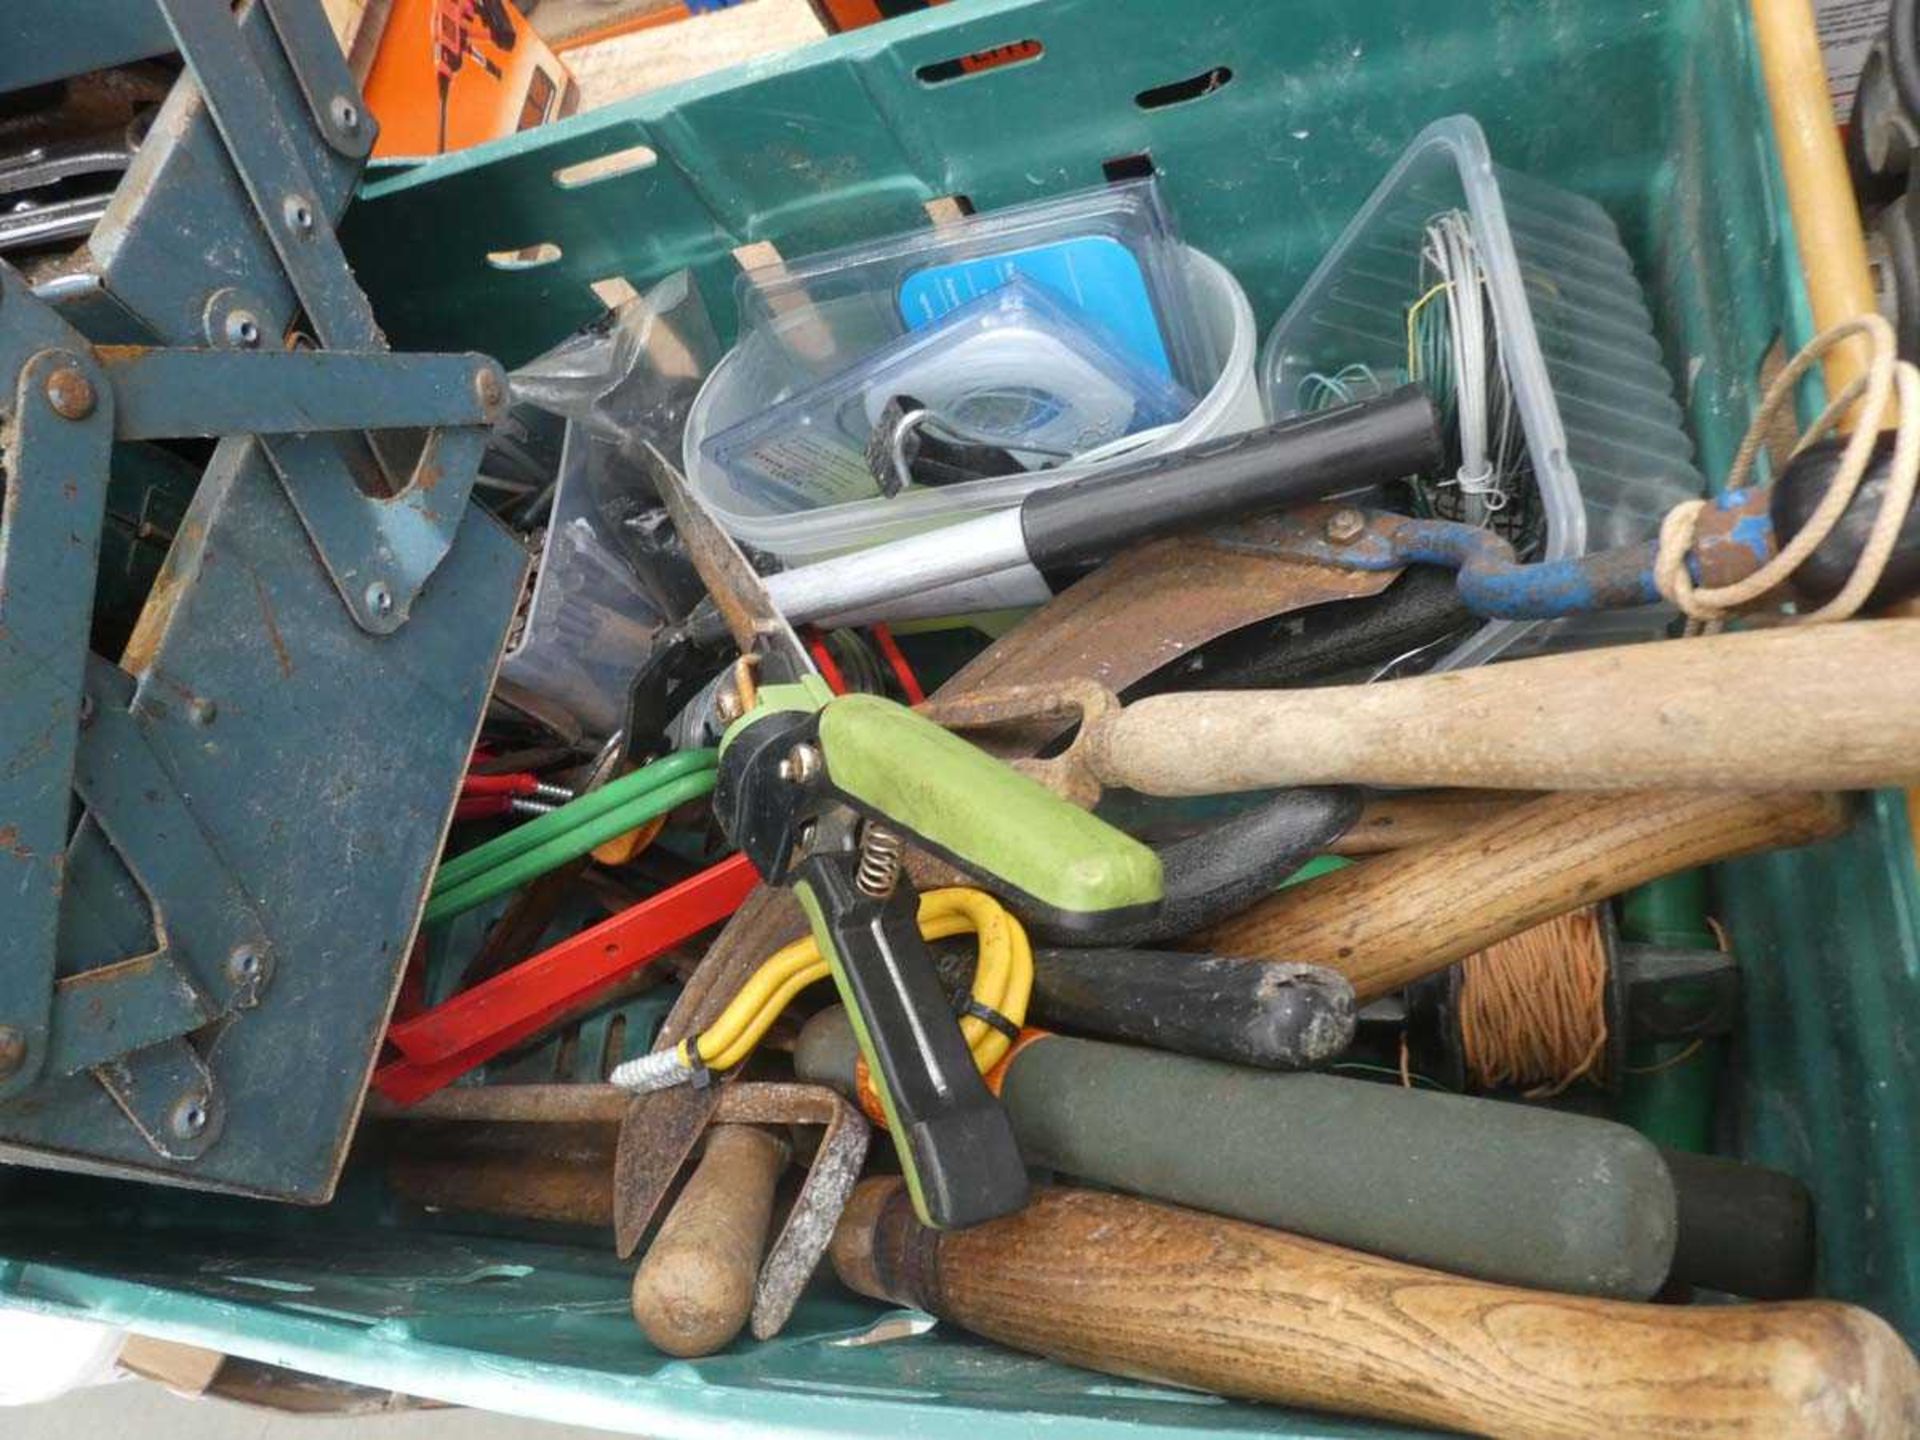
<point x="589" y="807"/>
<point x="570" y="844"/>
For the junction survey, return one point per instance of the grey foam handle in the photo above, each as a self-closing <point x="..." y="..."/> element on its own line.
<point x="1478" y="1187"/>
<point x="1499" y="1191"/>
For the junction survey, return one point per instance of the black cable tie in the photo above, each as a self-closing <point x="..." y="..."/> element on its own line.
<point x="991" y="1016"/>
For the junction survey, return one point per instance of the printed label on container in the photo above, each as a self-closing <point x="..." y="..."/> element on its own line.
<point x="1848" y="29"/>
<point x="803" y="469"/>
<point x="1096" y="273"/>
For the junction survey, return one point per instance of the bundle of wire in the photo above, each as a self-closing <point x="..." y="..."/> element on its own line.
<point x="1002" y="986"/>
<point x="529" y="851"/>
<point x="1453" y="351"/>
<point x="1533" y="1007"/>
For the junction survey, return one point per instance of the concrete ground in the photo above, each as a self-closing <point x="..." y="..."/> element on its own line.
<point x="141" y="1408"/>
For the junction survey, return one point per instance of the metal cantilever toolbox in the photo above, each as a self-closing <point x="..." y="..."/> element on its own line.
<point x="215" y="845"/>
<point x="1269" y="125"/>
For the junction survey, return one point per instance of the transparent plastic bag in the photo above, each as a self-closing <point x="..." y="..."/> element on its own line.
<point x="611" y="572"/>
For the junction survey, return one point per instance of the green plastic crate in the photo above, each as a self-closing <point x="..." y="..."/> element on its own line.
<point x="1654" y="110"/>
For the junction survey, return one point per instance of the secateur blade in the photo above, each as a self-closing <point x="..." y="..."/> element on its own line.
<point x="755" y="622"/>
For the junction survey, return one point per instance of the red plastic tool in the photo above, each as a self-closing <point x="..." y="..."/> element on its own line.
<point x="482" y="807"/>
<point x="516" y="783"/>
<point x="440" y="1045"/>
<point x="897" y="660"/>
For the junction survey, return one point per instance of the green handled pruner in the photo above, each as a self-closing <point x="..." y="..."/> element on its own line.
<point x="821" y="792"/>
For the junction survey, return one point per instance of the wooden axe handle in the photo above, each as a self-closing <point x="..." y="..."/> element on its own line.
<point x="1388" y="921"/>
<point x="1157" y="1293"/>
<point x="1831" y="707"/>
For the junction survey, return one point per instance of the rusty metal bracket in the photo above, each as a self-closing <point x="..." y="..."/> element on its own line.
<point x="796" y="1251"/>
<point x="530" y="1189"/>
<point x="320" y="69"/>
<point x="1065" y="705"/>
<point x="55" y="460"/>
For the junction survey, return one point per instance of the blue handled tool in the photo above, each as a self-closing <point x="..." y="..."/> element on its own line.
<point x="1738" y="533"/>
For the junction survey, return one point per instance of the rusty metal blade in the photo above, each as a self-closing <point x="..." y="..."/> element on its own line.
<point x="752" y="618"/>
<point x="1146" y="608"/>
<point x="796" y="1251"/>
<point x="660" y="1130"/>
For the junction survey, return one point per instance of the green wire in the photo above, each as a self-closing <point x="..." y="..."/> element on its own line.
<point x="573" y="842"/>
<point x="587" y="808"/>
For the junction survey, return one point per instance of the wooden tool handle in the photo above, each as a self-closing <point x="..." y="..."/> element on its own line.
<point x="1388" y="921"/>
<point x="694" y="1289"/>
<point x="1394" y="820"/>
<point x="553" y="1171"/>
<point x="1157" y="1293"/>
<point x="1832" y="707"/>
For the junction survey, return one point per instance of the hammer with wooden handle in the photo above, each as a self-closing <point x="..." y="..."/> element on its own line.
<point x="1388" y="921"/>
<point x="1833" y="707"/>
<point x="1157" y="1293"/>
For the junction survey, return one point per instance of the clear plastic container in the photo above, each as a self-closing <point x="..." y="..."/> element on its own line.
<point x="756" y="374"/>
<point x="1604" y="433"/>
<point x="589" y="620"/>
<point x="1015" y="365"/>
<point x="1111" y="251"/>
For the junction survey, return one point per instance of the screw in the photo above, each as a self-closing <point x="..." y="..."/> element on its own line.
<point x="189" y="1117"/>
<point x="346" y="114"/>
<point x="243" y="964"/>
<point x="70" y="393"/>
<point x="801" y="765"/>
<point x="243" y="330"/>
<point x="380" y="598"/>
<point x="726" y="706"/>
<point x="1345" y="526"/>
<point x="487" y="386"/>
<point x="201" y="711"/>
<point x="13" y="1050"/>
<point x="299" y="214"/>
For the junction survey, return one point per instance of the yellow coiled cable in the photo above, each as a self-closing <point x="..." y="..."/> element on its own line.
<point x="1002" y="982"/>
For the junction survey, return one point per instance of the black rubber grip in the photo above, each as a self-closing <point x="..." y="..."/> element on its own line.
<point x="1510" y="1193"/>
<point x="1269" y="1013"/>
<point x="1294" y="461"/>
<point x="1220" y="871"/>
<point x="1744" y="1229"/>
<point x="1797" y="493"/>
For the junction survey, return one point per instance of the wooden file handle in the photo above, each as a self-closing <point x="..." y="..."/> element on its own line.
<point x="1831" y="707"/>
<point x="694" y="1289"/>
<point x="1388" y="921"/>
<point x="1157" y="1293"/>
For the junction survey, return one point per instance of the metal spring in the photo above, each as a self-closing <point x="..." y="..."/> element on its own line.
<point x="879" y="862"/>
